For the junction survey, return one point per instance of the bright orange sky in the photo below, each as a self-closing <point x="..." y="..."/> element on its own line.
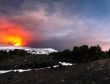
<point x="60" y="25"/>
<point x="13" y="34"/>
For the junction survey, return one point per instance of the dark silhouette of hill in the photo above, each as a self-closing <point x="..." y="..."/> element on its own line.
<point x="20" y="59"/>
<point x="81" y="54"/>
<point x="96" y="72"/>
<point x="93" y="67"/>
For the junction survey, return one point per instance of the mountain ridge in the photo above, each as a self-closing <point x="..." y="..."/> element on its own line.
<point x="29" y="49"/>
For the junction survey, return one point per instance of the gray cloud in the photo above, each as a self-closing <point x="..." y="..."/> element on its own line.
<point x="58" y="29"/>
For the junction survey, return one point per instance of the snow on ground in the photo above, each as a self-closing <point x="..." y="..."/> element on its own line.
<point x="65" y="64"/>
<point x="30" y="50"/>
<point x="24" y="70"/>
<point x="17" y="70"/>
<point x="4" y="71"/>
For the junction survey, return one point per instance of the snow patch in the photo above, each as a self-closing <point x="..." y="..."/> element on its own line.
<point x="24" y="70"/>
<point x="65" y="64"/>
<point x="17" y="70"/>
<point x="30" y="50"/>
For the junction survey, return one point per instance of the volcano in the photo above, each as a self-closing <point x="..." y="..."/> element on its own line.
<point x="29" y="50"/>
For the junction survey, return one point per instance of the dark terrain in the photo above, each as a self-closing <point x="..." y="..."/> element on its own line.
<point x="97" y="72"/>
<point x="20" y="59"/>
<point x="93" y="67"/>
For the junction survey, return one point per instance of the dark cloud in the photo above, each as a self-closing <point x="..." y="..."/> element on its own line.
<point x="60" y="23"/>
<point x="56" y="43"/>
<point x="10" y="7"/>
<point x="11" y="4"/>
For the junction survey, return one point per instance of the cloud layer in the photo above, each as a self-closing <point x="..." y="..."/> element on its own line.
<point x="61" y="24"/>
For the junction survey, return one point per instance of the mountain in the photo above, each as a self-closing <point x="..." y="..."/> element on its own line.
<point x="30" y="50"/>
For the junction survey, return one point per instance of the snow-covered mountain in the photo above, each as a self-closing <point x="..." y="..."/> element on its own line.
<point x="30" y="50"/>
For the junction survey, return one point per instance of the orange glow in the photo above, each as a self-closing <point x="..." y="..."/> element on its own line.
<point x="13" y="34"/>
<point x="16" y="41"/>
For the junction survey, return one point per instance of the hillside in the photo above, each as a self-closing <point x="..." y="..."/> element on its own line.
<point x="97" y="72"/>
<point x="82" y="65"/>
<point x="29" y="50"/>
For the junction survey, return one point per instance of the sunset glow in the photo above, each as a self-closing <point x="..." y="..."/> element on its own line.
<point x="58" y="24"/>
<point x="13" y="34"/>
<point x="14" y="40"/>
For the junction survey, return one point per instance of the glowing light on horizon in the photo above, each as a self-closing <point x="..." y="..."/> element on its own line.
<point x="13" y="34"/>
<point x="14" y="40"/>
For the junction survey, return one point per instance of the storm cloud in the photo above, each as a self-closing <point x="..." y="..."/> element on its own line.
<point x="61" y="24"/>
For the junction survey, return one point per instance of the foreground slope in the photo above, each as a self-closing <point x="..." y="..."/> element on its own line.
<point x="97" y="72"/>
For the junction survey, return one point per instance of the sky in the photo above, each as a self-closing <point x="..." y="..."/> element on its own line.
<point x="58" y="24"/>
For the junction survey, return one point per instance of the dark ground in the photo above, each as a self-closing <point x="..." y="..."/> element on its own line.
<point x="97" y="72"/>
<point x="27" y="62"/>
